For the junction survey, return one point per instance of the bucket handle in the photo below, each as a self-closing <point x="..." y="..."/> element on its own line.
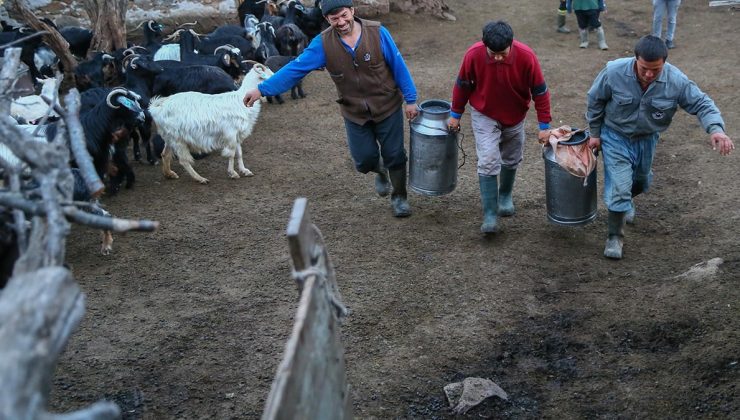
<point x="460" y="136"/>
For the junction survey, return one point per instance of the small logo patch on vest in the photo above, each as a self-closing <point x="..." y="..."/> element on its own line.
<point x="658" y="115"/>
<point x="366" y="57"/>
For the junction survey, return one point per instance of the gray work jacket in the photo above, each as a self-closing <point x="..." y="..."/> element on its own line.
<point x="617" y="100"/>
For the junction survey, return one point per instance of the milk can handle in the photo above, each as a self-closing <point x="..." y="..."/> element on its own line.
<point x="459" y="143"/>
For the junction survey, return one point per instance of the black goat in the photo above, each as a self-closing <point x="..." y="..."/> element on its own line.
<point x="290" y="40"/>
<point x="268" y="47"/>
<point x="312" y="21"/>
<point x="79" y="39"/>
<point x="28" y="47"/>
<point x="107" y="117"/>
<point x="180" y="77"/>
<point x="277" y="62"/>
<point x="253" y="7"/>
<point x="95" y="71"/>
<point x="140" y="72"/>
<point x="228" y="58"/>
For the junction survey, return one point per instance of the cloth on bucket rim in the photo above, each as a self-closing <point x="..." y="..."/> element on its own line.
<point x="579" y="160"/>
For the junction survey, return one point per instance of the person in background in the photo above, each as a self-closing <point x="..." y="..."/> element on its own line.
<point x="587" y="14"/>
<point x="372" y="82"/>
<point x="561" y="18"/>
<point x="660" y="9"/>
<point x="499" y="76"/>
<point x="630" y="103"/>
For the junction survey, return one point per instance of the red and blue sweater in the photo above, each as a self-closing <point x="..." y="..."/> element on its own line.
<point x="502" y="90"/>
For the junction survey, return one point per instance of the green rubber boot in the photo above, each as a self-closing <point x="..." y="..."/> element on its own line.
<point x="561" y="23"/>
<point x="505" y="189"/>
<point x="489" y="202"/>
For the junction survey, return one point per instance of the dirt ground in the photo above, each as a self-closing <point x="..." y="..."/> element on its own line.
<point x="191" y="321"/>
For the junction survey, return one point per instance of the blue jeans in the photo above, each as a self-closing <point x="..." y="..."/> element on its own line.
<point x="374" y="139"/>
<point x="627" y="167"/>
<point x="660" y="8"/>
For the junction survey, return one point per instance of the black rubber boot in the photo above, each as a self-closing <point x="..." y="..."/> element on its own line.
<point x="400" y="205"/>
<point x="489" y="202"/>
<point x="615" y="238"/>
<point x="382" y="183"/>
<point x="505" y="189"/>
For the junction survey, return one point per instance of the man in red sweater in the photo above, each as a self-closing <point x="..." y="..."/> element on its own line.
<point x="499" y="77"/>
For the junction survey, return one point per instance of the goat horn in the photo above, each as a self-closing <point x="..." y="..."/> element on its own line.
<point x="174" y="36"/>
<point x="227" y="47"/>
<point x="190" y="24"/>
<point x="149" y="25"/>
<point x="126" y="59"/>
<point x="113" y="93"/>
<point x="128" y="51"/>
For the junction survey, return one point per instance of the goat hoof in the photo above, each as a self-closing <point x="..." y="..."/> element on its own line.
<point x="246" y="172"/>
<point x="234" y="175"/>
<point x="171" y="175"/>
<point x="203" y="181"/>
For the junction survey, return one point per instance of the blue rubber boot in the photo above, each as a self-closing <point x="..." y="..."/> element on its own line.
<point x="489" y="202"/>
<point x="505" y="188"/>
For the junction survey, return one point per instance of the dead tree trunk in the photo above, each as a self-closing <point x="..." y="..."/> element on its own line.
<point x="107" y="21"/>
<point x="39" y="312"/>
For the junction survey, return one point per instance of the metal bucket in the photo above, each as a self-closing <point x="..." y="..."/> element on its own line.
<point x="432" y="150"/>
<point x="569" y="201"/>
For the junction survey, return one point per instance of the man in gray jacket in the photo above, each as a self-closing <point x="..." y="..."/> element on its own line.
<point x="630" y="103"/>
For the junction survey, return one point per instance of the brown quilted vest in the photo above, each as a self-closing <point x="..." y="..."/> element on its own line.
<point x="366" y="87"/>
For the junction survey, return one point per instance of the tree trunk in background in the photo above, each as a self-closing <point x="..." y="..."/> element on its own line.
<point x="436" y="8"/>
<point x="107" y="21"/>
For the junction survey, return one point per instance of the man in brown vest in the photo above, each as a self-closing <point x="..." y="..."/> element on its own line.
<point x="372" y="82"/>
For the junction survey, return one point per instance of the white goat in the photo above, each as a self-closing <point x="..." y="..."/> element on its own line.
<point x="32" y="107"/>
<point x="199" y="122"/>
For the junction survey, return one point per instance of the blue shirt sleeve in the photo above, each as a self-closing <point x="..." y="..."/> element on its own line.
<point x="398" y="67"/>
<point x="310" y="59"/>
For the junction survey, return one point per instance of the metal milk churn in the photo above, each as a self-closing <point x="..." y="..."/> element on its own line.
<point x="570" y="201"/>
<point x="432" y="150"/>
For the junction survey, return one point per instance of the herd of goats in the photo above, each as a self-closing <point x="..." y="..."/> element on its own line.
<point x="167" y="95"/>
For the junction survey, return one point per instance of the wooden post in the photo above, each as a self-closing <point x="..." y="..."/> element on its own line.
<point x="311" y="382"/>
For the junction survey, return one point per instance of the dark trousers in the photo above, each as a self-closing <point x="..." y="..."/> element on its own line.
<point x="374" y="139"/>
<point x="588" y="19"/>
